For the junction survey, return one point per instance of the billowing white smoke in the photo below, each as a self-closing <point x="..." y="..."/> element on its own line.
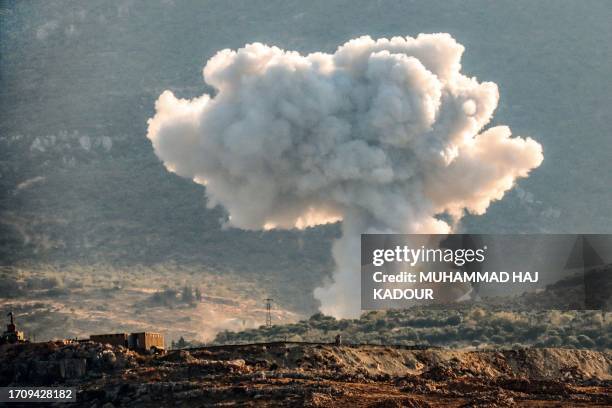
<point x="383" y="135"/>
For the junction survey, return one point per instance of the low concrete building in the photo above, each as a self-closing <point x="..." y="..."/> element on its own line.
<point x="142" y="341"/>
<point x="115" y="339"/>
<point x="146" y="341"/>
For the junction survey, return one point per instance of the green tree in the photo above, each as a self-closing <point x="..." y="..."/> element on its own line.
<point x="181" y="343"/>
<point x="187" y="295"/>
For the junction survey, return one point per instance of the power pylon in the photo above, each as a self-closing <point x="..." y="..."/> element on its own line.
<point x="269" y="312"/>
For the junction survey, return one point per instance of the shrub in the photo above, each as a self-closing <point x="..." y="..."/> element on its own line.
<point x="454" y="320"/>
<point x="585" y="341"/>
<point x="553" y="341"/>
<point x="497" y="339"/>
<point x="42" y="283"/>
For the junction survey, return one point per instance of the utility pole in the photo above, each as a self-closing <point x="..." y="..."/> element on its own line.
<point x="268" y="312"/>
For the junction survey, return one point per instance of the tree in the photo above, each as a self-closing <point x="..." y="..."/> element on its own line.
<point x="187" y="294"/>
<point x="181" y="343"/>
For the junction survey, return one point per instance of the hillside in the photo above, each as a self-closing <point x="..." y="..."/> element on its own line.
<point x="315" y="375"/>
<point x="84" y="202"/>
<point x="79" y="82"/>
<point x="557" y="316"/>
<point x="76" y="300"/>
<point x="472" y="327"/>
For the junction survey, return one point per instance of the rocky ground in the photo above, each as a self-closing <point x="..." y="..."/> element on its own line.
<point x="315" y="375"/>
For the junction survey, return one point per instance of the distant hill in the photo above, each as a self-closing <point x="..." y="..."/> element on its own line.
<point x="79" y="182"/>
<point x="589" y="290"/>
<point x="544" y="318"/>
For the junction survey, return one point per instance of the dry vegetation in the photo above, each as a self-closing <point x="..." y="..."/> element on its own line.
<point x="76" y="301"/>
<point x="469" y="327"/>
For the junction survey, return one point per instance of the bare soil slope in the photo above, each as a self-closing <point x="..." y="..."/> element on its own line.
<point x="316" y="375"/>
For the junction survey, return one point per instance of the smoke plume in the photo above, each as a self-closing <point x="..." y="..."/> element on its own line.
<point x="385" y="135"/>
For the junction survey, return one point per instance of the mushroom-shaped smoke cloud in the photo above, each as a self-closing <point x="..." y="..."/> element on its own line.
<point x="384" y="135"/>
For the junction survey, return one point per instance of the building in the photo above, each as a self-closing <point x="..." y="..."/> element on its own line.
<point x="143" y="341"/>
<point x="117" y="339"/>
<point x="146" y="341"/>
<point x="12" y="335"/>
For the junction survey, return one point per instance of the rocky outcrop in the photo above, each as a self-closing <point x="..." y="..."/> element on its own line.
<point x="314" y="375"/>
<point x="53" y="363"/>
